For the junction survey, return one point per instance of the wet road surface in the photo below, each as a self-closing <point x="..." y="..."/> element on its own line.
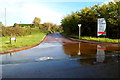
<point x="59" y="57"/>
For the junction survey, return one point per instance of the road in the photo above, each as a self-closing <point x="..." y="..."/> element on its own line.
<point x="59" y="57"/>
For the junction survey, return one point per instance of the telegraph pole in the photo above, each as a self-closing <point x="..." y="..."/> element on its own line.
<point x="5" y="16"/>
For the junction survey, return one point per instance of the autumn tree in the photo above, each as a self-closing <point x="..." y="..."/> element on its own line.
<point x="51" y="28"/>
<point x="36" y="22"/>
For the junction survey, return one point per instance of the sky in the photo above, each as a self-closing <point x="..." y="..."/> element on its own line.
<point x="24" y="11"/>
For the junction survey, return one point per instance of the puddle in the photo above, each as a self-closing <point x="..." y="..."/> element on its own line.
<point x="48" y="45"/>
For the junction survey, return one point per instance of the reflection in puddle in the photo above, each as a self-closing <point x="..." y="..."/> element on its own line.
<point x="90" y="54"/>
<point x="79" y="53"/>
<point x="100" y="56"/>
<point x="85" y="49"/>
<point x="94" y="61"/>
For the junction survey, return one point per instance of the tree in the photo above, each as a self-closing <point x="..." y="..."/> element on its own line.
<point x="70" y="24"/>
<point x="88" y="18"/>
<point x="36" y="22"/>
<point x="16" y="25"/>
<point x="1" y="24"/>
<point x="51" y="28"/>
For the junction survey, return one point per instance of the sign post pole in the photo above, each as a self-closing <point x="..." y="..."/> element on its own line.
<point x="79" y="30"/>
<point x="79" y="38"/>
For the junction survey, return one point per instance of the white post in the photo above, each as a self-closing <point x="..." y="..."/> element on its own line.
<point x="79" y="30"/>
<point x="79" y="53"/>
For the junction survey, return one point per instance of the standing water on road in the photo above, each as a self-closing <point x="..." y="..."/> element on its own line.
<point x="56" y="47"/>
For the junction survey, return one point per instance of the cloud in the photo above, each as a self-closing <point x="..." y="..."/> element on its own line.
<point x="23" y="11"/>
<point x="106" y="2"/>
<point x="35" y="10"/>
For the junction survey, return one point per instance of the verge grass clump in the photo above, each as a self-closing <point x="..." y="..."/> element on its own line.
<point x="101" y="39"/>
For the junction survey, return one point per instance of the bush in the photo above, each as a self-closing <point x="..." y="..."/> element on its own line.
<point x="15" y="31"/>
<point x="51" y="28"/>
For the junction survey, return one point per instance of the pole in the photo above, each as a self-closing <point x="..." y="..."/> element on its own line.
<point x="79" y="53"/>
<point x="5" y="16"/>
<point x="79" y="30"/>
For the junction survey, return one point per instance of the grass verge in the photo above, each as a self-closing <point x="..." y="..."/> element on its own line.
<point x="21" y="41"/>
<point x="98" y="39"/>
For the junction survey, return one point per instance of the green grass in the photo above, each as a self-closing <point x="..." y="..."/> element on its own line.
<point x="102" y="39"/>
<point x="21" y="41"/>
<point x="98" y="39"/>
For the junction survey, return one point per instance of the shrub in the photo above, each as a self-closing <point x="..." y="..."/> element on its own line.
<point x="15" y="31"/>
<point x="51" y="28"/>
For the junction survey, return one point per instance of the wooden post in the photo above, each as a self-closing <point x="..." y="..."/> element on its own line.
<point x="10" y="41"/>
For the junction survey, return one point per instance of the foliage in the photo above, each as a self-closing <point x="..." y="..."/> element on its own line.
<point x="19" y="31"/>
<point x="16" y="25"/>
<point x="23" y="25"/>
<point x="1" y="24"/>
<point x="50" y="27"/>
<point x="101" y="39"/>
<point x="15" y="31"/>
<point x="27" y="30"/>
<point x="36" y="22"/>
<point x="88" y="18"/>
<point x="70" y="24"/>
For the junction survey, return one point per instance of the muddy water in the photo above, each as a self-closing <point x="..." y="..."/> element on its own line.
<point x="57" y="47"/>
<point x="90" y="54"/>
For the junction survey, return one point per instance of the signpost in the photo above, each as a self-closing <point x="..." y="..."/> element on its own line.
<point x="12" y="38"/>
<point x="79" y="38"/>
<point x="101" y="27"/>
<point x="79" y="29"/>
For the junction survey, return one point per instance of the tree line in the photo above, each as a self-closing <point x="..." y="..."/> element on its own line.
<point x="45" y="27"/>
<point x="88" y="18"/>
<point x="28" y="29"/>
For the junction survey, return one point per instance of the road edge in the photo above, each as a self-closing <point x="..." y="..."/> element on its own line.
<point x="91" y="41"/>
